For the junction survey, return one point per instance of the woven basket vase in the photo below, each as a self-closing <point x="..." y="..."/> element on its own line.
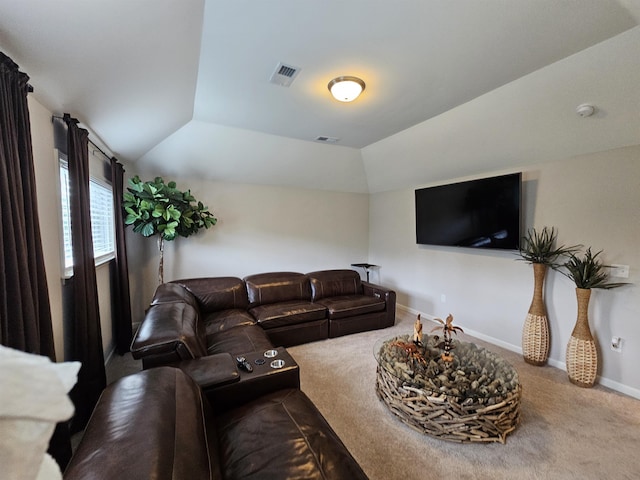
<point x="582" y="356"/>
<point x="535" y="333"/>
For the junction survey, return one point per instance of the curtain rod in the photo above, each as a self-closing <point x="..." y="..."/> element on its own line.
<point x="92" y="142"/>
<point x="6" y="59"/>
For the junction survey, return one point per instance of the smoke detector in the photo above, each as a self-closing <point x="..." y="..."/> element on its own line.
<point x="585" y="110"/>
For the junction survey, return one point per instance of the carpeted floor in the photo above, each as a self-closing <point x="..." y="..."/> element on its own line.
<point x="566" y="432"/>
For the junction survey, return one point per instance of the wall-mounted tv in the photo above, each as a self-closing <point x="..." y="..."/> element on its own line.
<point x="482" y="213"/>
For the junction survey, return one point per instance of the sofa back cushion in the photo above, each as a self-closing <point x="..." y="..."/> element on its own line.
<point x="274" y="287"/>
<point x="152" y="424"/>
<point x="216" y="293"/>
<point x="173" y="293"/>
<point x="334" y="283"/>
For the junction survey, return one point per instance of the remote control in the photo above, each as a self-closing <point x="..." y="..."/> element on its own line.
<point x="243" y="364"/>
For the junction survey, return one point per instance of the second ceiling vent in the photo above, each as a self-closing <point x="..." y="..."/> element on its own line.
<point x="325" y="139"/>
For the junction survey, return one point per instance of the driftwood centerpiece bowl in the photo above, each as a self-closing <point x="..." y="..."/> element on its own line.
<point x="474" y="398"/>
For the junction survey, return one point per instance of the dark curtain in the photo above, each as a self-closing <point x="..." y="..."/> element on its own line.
<point x="25" y="311"/>
<point x="121" y="299"/>
<point x="85" y="335"/>
<point x="25" y="308"/>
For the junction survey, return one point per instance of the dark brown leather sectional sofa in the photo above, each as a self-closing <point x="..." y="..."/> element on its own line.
<point x="157" y="424"/>
<point x="198" y="317"/>
<point x="202" y="417"/>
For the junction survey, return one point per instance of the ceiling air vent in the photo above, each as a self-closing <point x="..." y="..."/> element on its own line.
<point x="327" y="139"/>
<point x="284" y="74"/>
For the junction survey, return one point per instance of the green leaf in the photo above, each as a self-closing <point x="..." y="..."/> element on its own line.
<point x="147" y="230"/>
<point x="158" y="211"/>
<point x="174" y="214"/>
<point x="130" y="219"/>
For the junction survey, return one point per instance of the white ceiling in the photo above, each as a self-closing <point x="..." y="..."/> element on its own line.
<point x="453" y="88"/>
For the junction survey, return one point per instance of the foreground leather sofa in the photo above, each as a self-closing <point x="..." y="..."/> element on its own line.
<point x="158" y="424"/>
<point x="194" y="318"/>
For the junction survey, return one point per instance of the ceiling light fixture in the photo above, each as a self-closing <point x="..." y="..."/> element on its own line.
<point x="346" y="89"/>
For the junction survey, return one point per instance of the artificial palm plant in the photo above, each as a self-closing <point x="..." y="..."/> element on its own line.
<point x="159" y="208"/>
<point x="539" y="249"/>
<point x="447" y="328"/>
<point x="587" y="272"/>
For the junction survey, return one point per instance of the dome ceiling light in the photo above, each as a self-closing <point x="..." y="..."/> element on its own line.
<point x="346" y="89"/>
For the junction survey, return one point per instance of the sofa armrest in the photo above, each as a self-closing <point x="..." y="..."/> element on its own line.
<point x="386" y="294"/>
<point x="211" y="371"/>
<point x="170" y="332"/>
<point x="152" y="424"/>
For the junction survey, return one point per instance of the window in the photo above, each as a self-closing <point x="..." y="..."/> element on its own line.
<point x="102" y="219"/>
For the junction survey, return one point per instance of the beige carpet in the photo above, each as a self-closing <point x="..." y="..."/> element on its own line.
<point x="566" y="432"/>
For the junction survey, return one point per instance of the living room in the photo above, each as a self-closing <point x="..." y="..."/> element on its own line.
<point x="289" y="204"/>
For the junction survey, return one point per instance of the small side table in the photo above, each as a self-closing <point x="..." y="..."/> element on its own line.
<point x="367" y="267"/>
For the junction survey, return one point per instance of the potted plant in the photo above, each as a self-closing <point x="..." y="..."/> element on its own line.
<point x="159" y="208"/>
<point x="586" y="272"/>
<point x="540" y="250"/>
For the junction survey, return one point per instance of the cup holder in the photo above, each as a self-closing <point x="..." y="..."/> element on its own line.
<point x="277" y="363"/>
<point x="271" y="353"/>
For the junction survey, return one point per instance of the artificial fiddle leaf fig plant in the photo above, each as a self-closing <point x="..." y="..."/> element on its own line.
<point x="159" y="208"/>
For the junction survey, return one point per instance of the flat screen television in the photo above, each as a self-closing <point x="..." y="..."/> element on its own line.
<point x="482" y="213"/>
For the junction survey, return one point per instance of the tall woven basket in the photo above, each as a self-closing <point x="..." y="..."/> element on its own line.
<point x="582" y="356"/>
<point x="535" y="333"/>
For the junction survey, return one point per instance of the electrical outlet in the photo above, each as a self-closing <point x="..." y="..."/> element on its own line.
<point x="619" y="271"/>
<point x="616" y="344"/>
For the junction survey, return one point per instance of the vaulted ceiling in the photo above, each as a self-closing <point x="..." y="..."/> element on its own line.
<point x="182" y="87"/>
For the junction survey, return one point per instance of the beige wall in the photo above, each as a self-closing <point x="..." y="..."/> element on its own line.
<point x="47" y="185"/>
<point x="260" y="229"/>
<point x="592" y="199"/>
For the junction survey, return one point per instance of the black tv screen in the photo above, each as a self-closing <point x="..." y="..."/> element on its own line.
<point x="482" y="213"/>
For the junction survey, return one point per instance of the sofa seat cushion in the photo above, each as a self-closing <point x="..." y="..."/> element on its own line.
<point x="225" y="319"/>
<point x="282" y="435"/>
<point x="237" y="340"/>
<point x="287" y="313"/>
<point x="351" y="305"/>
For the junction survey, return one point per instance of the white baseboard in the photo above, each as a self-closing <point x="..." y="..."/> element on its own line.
<point x="606" y="382"/>
<point x="110" y="351"/>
